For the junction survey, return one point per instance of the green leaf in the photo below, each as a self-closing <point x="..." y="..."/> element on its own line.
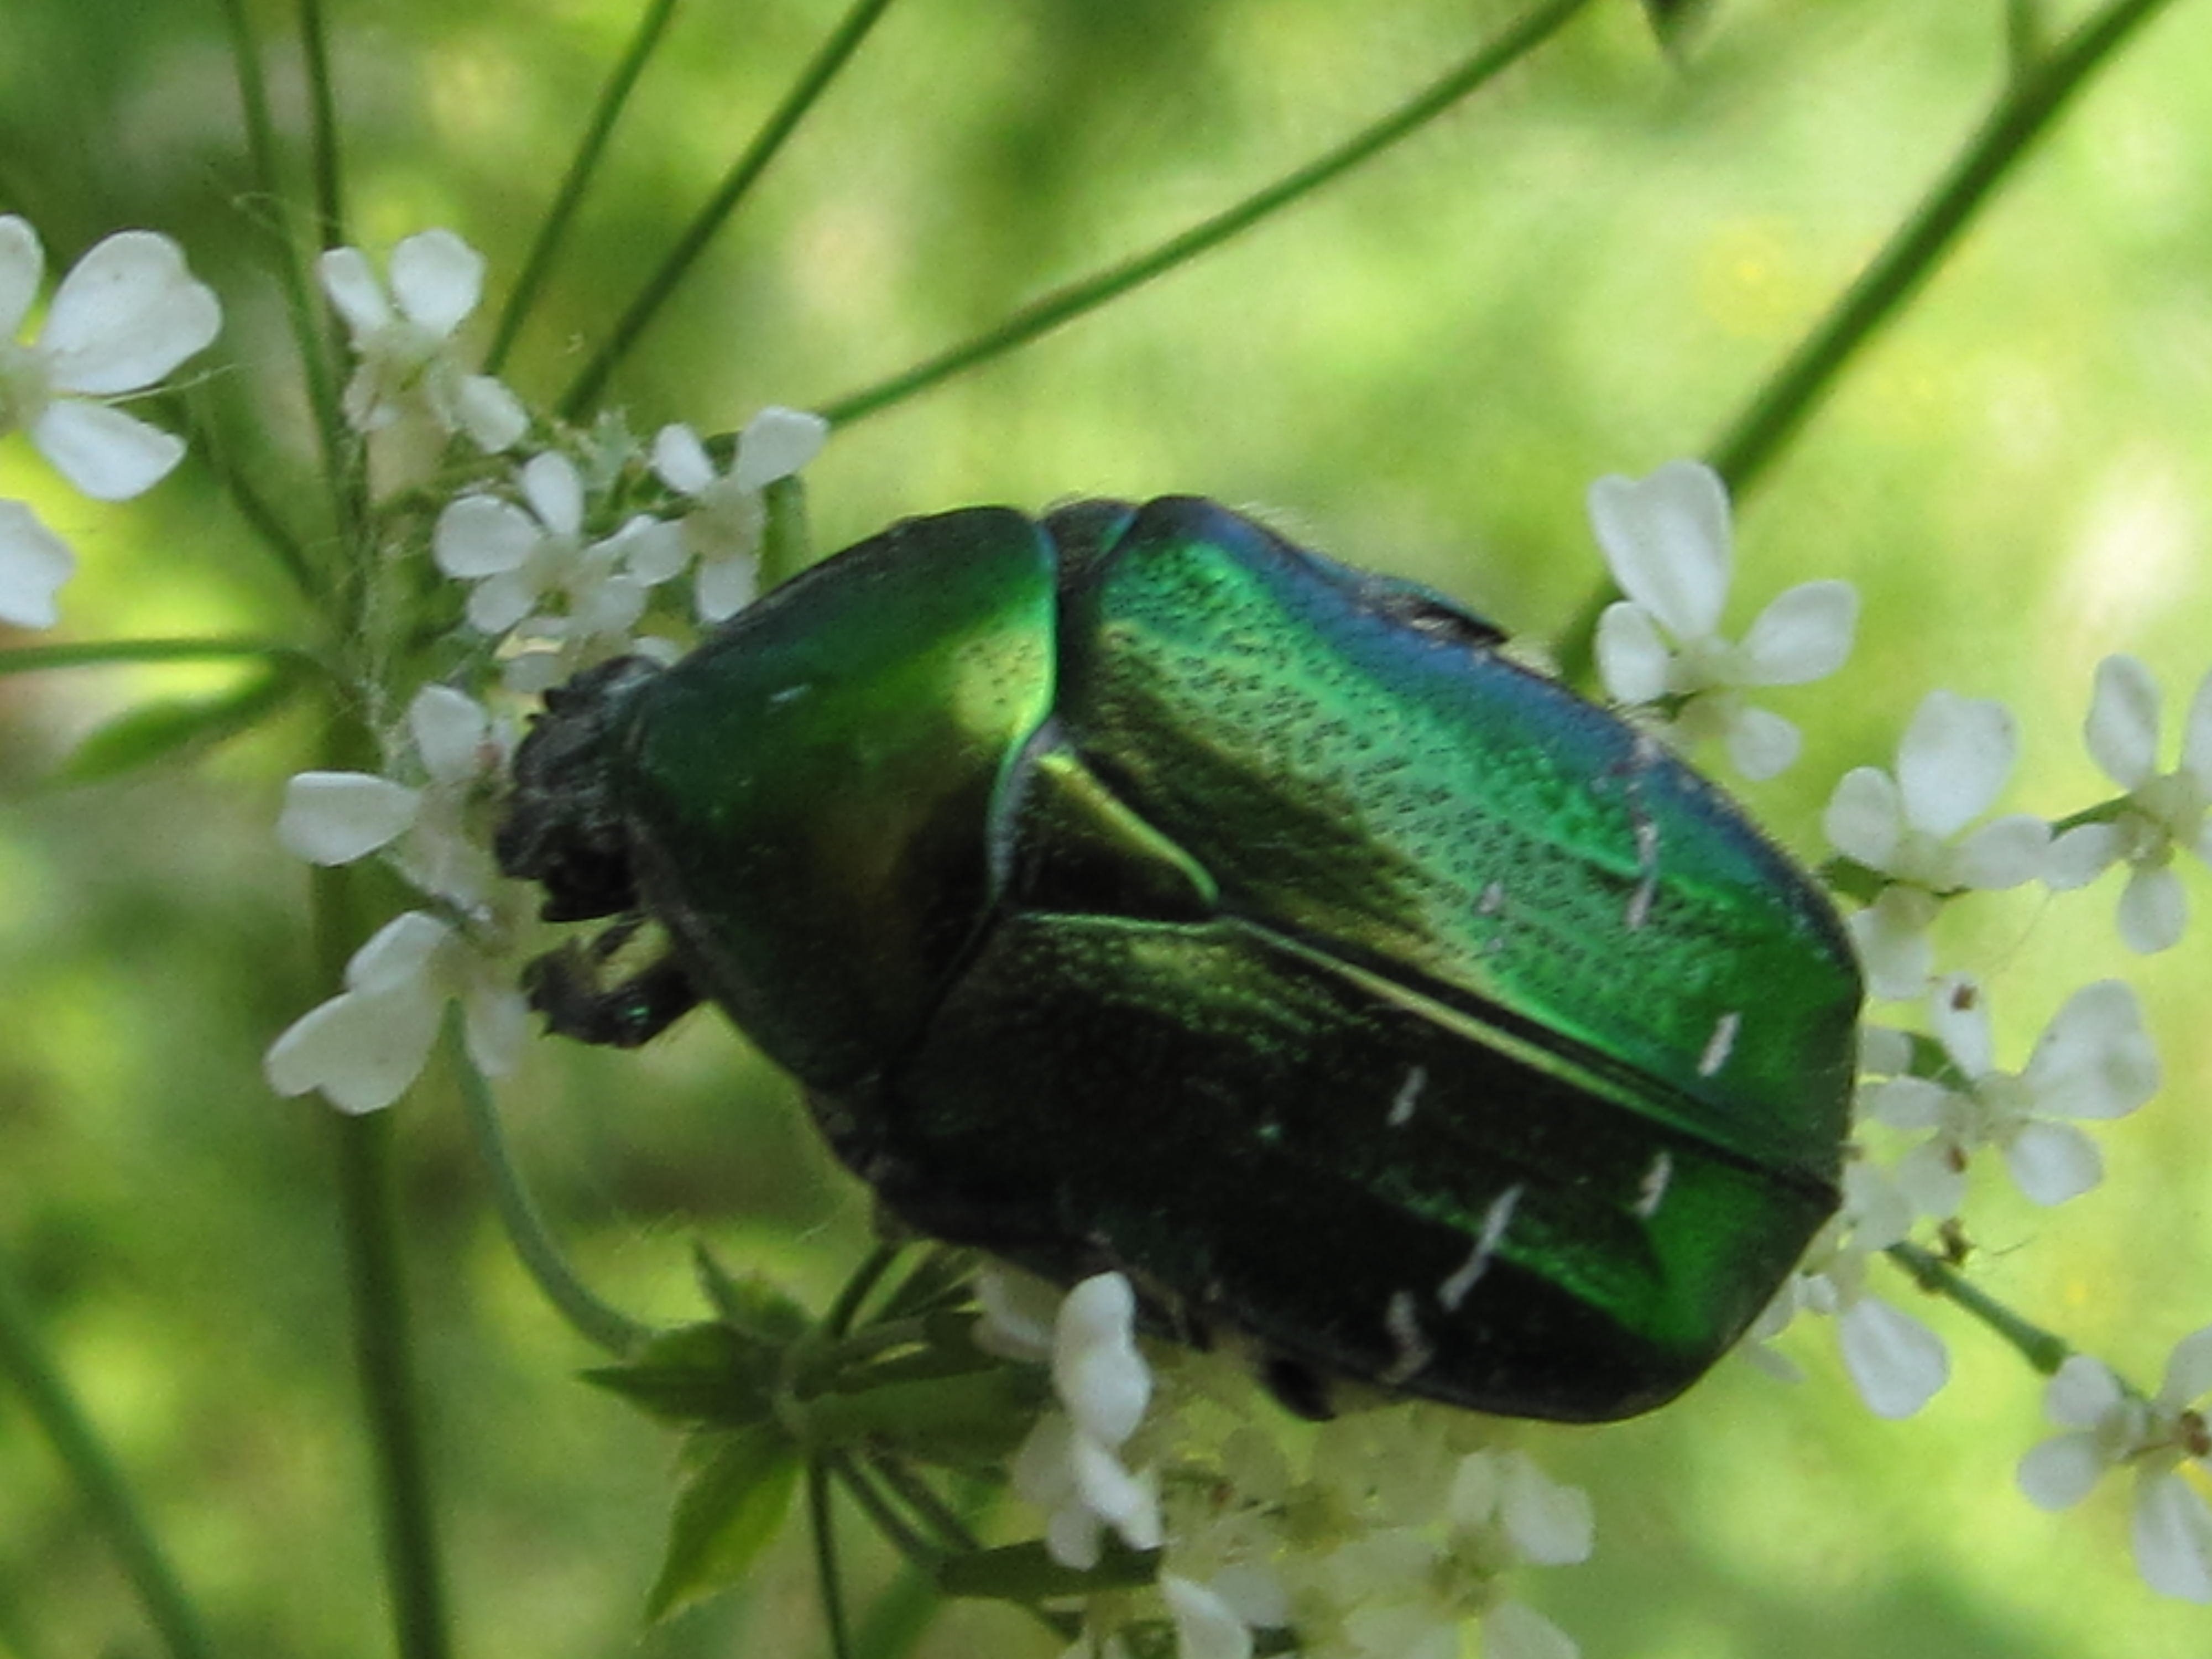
<point x="753" y="1305"/>
<point x="1672" y="20"/>
<point x="705" y="1373"/>
<point x="158" y="731"/>
<point x="975" y="1418"/>
<point x="728" y="1513"/>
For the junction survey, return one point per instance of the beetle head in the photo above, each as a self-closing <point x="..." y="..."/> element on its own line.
<point x="564" y="827"/>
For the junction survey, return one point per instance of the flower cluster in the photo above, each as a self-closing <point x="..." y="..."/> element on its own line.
<point x="1396" y="1529"/>
<point x="126" y="315"/>
<point x="560" y="573"/>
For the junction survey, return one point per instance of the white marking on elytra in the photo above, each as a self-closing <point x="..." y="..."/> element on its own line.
<point x="1409" y="1092"/>
<point x="1719" y="1045"/>
<point x="1492" y="900"/>
<point x="1647" y="880"/>
<point x="1414" y="1349"/>
<point x="789" y="693"/>
<point x="1652" y="1193"/>
<point x="1495" y="1219"/>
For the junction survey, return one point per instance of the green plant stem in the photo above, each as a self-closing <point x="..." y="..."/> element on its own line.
<point x="865" y="1276"/>
<point x="827" y="1574"/>
<point x="597" y="1322"/>
<point x="813" y="80"/>
<point x="292" y="267"/>
<point x="323" y="116"/>
<point x="2042" y="1349"/>
<point x="107" y="654"/>
<point x="2030" y="105"/>
<point x="614" y="97"/>
<point x="384" y="1360"/>
<point x="54" y="1408"/>
<point x="917" y="1495"/>
<point x="1064" y="305"/>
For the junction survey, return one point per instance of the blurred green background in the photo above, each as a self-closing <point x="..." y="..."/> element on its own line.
<point x="1587" y="269"/>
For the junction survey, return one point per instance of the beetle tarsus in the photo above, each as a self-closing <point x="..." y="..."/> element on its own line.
<point x="564" y="986"/>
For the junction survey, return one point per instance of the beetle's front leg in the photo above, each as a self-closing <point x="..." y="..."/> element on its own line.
<point x="566" y="987"/>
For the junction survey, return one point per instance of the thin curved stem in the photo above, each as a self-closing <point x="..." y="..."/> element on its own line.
<point x="323" y="115"/>
<point x="292" y="265"/>
<point x="826" y="1571"/>
<point x="1065" y="304"/>
<point x="54" y="1408"/>
<point x="2042" y="1349"/>
<point x="2032" y="101"/>
<point x="614" y="97"/>
<point x="597" y="1322"/>
<point x="813" y="80"/>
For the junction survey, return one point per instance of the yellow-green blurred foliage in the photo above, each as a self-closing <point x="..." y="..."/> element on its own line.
<point x="1587" y="269"/>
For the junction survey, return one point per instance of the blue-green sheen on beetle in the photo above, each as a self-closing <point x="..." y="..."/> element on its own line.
<point x="1133" y="888"/>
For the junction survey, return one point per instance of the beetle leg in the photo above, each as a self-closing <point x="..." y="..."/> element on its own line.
<point x="565" y="985"/>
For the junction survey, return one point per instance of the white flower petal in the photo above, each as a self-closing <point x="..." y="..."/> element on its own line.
<point x="555" y="491"/>
<point x="681" y="459"/>
<point x="1865" y="817"/>
<point x="1017" y="1310"/>
<point x="2003" y="853"/>
<point x="2082" y="1391"/>
<point x="1666" y="539"/>
<point x="1631" y="657"/>
<point x="2188" y="1370"/>
<point x="2051" y="1163"/>
<point x="1959" y="1016"/>
<point x="495" y="1026"/>
<point x="1514" y="1630"/>
<point x="1550" y="1523"/>
<point x="1127" y="1502"/>
<point x="437" y="279"/>
<point x="108" y="454"/>
<point x="2094" y="1059"/>
<point x="22" y="262"/>
<point x="360" y="1050"/>
<point x="724" y="587"/>
<point x="1928" y="1175"/>
<point x="125" y="315"/>
<point x="2154" y="910"/>
<point x="449" y="728"/>
<point x="2059" y="1473"/>
<point x="776" y="443"/>
<point x="2122" y="730"/>
<point x="35" y="563"/>
<point x="1880" y="1213"/>
<point x="1205" y="1627"/>
<point x="1912" y="1104"/>
<point x="1804" y="633"/>
<point x="2195" y="735"/>
<point x="335" y="817"/>
<point x="2082" y="854"/>
<point x="498" y="603"/>
<point x="1890" y="937"/>
<point x="652" y="548"/>
<point x="399" y="953"/>
<point x="1955" y="757"/>
<point x="492" y="416"/>
<point x="1896" y="1363"/>
<point x="1095" y="1367"/>
<point x="481" y="536"/>
<point x="2173" y="1531"/>
<point x="347" y="278"/>
<point x="1762" y="744"/>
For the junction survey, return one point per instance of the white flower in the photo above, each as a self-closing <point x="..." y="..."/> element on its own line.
<point x="127" y="313"/>
<point x="2094" y="1061"/>
<point x="723" y="529"/>
<point x="1205" y="1625"/>
<point x="2162" y="811"/>
<point x="365" y="1045"/>
<point x="1953" y="761"/>
<point x="35" y="563"/>
<point x="2108" y="1427"/>
<point x="537" y="575"/>
<point x="1896" y="1363"/>
<point x="335" y="817"/>
<point x="1666" y="540"/>
<point x="409" y="362"/>
<point x="1069" y="1466"/>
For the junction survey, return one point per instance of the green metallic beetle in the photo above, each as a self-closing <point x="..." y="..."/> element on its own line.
<point x="1133" y="888"/>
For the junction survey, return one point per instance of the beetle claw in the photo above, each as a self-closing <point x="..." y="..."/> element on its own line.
<point x="564" y="985"/>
